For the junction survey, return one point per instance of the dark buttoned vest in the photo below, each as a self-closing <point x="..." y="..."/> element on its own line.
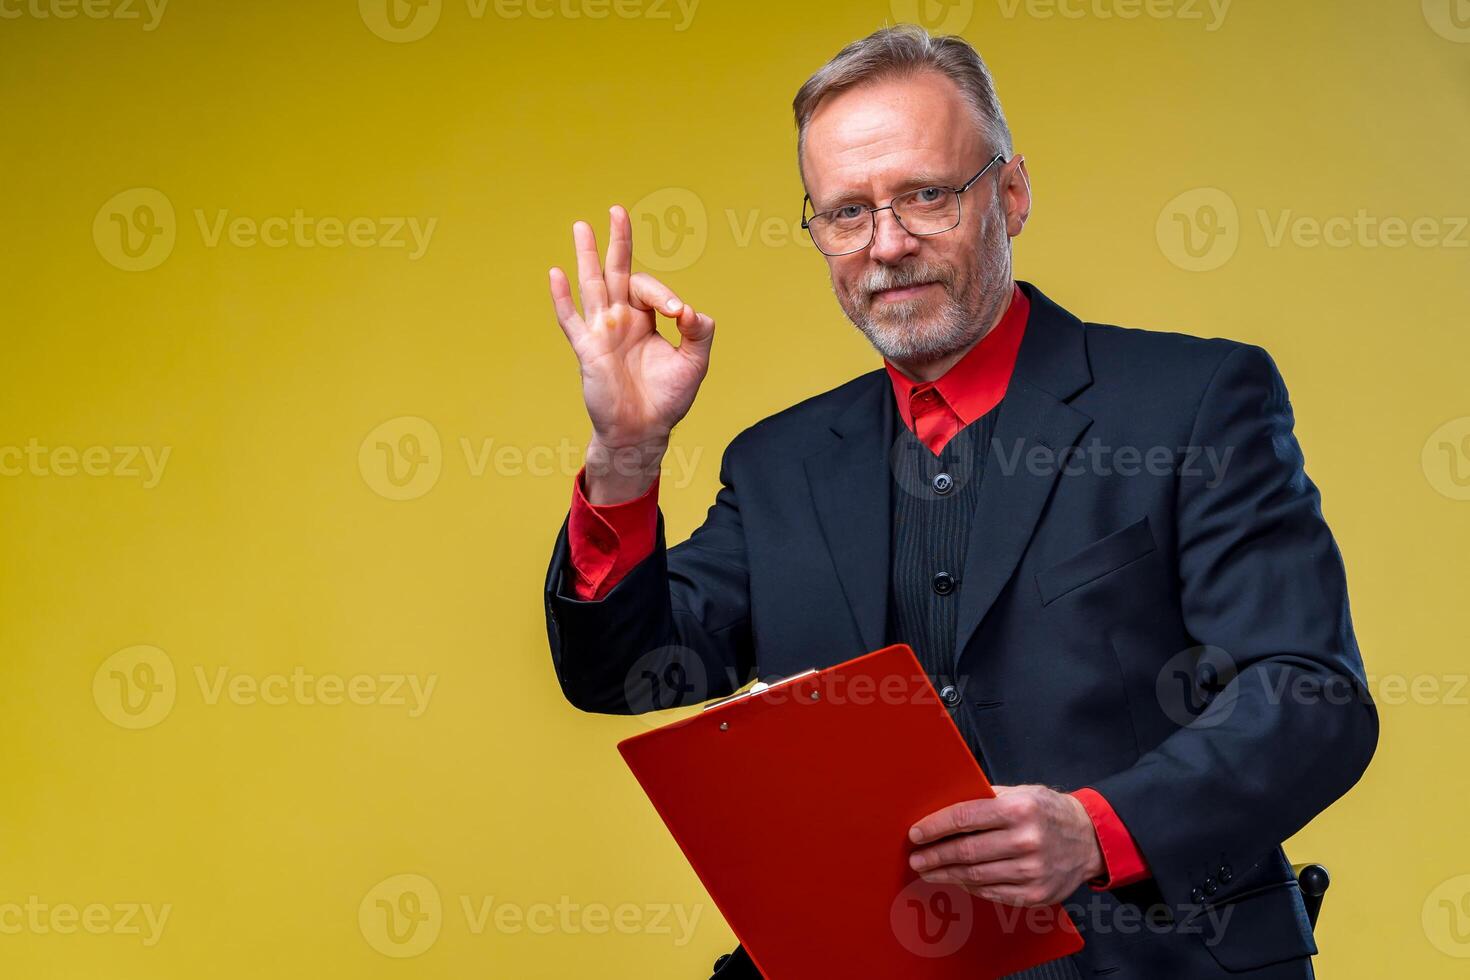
<point x="933" y="508"/>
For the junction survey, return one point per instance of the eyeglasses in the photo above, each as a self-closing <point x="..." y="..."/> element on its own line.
<point x="926" y="211"/>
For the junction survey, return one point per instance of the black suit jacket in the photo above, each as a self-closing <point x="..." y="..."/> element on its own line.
<point x="1151" y="605"/>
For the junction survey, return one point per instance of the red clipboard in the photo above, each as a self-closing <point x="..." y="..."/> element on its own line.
<point x="793" y="803"/>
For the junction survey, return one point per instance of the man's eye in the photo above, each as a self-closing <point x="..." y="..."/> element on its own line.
<point x="929" y="195"/>
<point x="850" y="212"/>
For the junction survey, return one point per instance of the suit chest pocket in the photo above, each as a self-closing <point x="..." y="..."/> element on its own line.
<point x="1103" y="556"/>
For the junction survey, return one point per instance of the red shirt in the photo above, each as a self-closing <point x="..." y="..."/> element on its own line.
<point x="608" y="540"/>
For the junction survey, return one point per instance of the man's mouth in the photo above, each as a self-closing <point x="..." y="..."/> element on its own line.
<point x="898" y="294"/>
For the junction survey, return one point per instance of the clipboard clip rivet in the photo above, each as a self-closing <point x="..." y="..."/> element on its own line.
<point x="816" y="695"/>
<point x="724" y="726"/>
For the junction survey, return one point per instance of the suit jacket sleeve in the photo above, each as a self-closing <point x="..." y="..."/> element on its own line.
<point x="1289" y="725"/>
<point x="675" y="630"/>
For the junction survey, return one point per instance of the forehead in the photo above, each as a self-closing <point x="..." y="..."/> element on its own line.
<point x="871" y="138"/>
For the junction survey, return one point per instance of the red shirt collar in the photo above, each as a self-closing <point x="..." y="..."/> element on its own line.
<point x="977" y="381"/>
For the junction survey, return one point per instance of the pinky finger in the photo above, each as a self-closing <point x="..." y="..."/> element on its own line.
<point x="561" y="301"/>
<point x="1002" y="894"/>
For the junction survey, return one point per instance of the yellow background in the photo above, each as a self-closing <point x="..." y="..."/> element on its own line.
<point x="270" y="543"/>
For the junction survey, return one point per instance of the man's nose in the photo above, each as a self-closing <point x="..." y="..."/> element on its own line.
<point x="891" y="241"/>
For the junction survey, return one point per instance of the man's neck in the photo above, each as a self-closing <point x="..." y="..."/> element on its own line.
<point x="933" y="370"/>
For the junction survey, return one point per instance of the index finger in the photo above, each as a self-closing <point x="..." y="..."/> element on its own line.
<point x="647" y="293"/>
<point x="959" y="818"/>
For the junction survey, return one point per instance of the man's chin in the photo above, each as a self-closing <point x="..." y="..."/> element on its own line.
<point x="910" y="341"/>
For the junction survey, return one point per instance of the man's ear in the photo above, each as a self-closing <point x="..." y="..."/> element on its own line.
<point x="1017" y="192"/>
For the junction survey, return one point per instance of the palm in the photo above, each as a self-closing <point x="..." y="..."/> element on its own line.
<point x="634" y="381"/>
<point x="636" y="384"/>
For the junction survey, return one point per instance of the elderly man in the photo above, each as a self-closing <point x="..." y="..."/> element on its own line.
<point x="1100" y="542"/>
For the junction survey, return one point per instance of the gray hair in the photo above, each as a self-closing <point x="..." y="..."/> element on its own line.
<point x="901" y="51"/>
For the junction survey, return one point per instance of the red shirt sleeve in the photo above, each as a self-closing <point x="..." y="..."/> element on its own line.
<point x="607" y="540"/>
<point x="1124" y="862"/>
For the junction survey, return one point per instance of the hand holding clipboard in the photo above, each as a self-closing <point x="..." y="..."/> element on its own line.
<point x="770" y="793"/>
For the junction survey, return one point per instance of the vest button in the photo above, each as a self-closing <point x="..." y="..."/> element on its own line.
<point x="943" y="583"/>
<point x="949" y="695"/>
<point x="943" y="483"/>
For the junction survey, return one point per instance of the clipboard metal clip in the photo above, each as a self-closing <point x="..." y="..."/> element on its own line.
<point x="760" y="687"/>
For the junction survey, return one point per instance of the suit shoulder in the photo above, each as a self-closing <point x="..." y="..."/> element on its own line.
<point x="1151" y="359"/>
<point x="808" y="420"/>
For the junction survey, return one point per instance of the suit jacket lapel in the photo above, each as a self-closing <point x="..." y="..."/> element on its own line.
<point x="1051" y="367"/>
<point x="851" y="484"/>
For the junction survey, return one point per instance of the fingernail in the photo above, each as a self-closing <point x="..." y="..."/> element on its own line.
<point x="673" y="306"/>
<point x="914" y="834"/>
<point x="916" y="862"/>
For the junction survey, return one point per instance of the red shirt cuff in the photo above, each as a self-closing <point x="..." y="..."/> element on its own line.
<point x="1123" y="861"/>
<point x="608" y="540"/>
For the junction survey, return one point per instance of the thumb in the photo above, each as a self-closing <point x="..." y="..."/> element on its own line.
<point x="697" y="331"/>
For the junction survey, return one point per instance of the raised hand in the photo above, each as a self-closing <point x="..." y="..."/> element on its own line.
<point x="635" y="383"/>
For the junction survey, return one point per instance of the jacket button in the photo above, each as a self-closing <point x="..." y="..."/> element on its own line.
<point x="1196" y="896"/>
<point x="943" y="483"/>
<point x="943" y="583"/>
<point x="1210" y="886"/>
<point x="949" y="695"/>
<point x="1225" y="874"/>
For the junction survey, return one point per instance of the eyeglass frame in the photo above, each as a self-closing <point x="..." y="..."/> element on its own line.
<point x="873" y="212"/>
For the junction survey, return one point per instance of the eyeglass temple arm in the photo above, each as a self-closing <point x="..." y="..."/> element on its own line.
<point x="969" y="183"/>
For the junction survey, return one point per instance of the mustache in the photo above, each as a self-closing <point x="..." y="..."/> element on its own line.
<point x="897" y="277"/>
